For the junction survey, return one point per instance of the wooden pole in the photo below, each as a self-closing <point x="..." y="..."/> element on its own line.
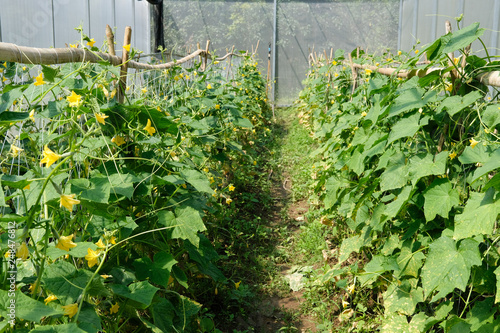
<point x="199" y="48"/>
<point x="229" y="63"/>
<point x="489" y="78"/>
<point x="50" y="56"/>
<point x="111" y="45"/>
<point x="205" y="58"/>
<point x="111" y="40"/>
<point x="256" y="48"/>
<point x="354" y="74"/>
<point x="124" y="65"/>
<point x="453" y="77"/>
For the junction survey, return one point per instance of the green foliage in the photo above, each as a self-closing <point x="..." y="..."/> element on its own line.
<point x="411" y="176"/>
<point x="105" y="206"/>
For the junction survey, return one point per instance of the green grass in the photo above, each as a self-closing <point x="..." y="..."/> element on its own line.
<point x="294" y="153"/>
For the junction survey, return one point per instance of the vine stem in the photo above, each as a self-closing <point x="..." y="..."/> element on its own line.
<point x="42" y="264"/>
<point x="46" y="182"/>
<point x="485" y="49"/>
<point x="89" y="283"/>
<point x="142" y="233"/>
<point x="468" y="298"/>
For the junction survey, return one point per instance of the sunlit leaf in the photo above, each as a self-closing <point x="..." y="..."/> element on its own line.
<point x="448" y="266"/>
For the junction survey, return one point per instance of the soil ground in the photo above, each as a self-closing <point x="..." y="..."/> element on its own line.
<point x="282" y="313"/>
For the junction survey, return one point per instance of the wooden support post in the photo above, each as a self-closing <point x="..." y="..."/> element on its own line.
<point x="124" y="66"/>
<point x="256" y="48"/>
<point x="111" y="46"/>
<point x="199" y="48"/>
<point x="205" y="57"/>
<point x="453" y="77"/>
<point x="229" y="63"/>
<point x="331" y="54"/>
<point x="354" y="74"/>
<point x="111" y="40"/>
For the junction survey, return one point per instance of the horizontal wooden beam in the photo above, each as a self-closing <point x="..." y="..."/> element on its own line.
<point x="50" y="56"/>
<point x="489" y="78"/>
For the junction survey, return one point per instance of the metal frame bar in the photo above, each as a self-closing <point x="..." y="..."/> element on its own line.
<point x="415" y="20"/>
<point x="275" y="41"/>
<point x="434" y="20"/>
<point x="53" y="24"/>
<point x="114" y="14"/>
<point x="400" y="27"/>
<point x="496" y="26"/>
<point x="88" y="17"/>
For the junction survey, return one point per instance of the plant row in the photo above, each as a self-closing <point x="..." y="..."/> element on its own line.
<point x="105" y="206"/>
<point x="409" y="174"/>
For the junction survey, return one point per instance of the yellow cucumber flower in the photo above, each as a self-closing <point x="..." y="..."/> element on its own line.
<point x="150" y="129"/>
<point x="22" y="251"/>
<point x="350" y="289"/>
<point x="49" y="299"/>
<point x="345" y="304"/>
<point x="70" y="310"/>
<point x="15" y="150"/>
<point x="49" y="157"/>
<point x="68" y="201"/>
<point x="473" y="142"/>
<point x="39" y="80"/>
<point x="101" y="118"/>
<point x="65" y="243"/>
<point x="105" y="91"/>
<point x="114" y="308"/>
<point x="92" y="257"/>
<point x="127" y="47"/>
<point x="118" y="140"/>
<point x="74" y="99"/>
<point x="91" y="42"/>
<point x="100" y="244"/>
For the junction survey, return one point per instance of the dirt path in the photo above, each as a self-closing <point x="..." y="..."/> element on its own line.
<point x="282" y="312"/>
